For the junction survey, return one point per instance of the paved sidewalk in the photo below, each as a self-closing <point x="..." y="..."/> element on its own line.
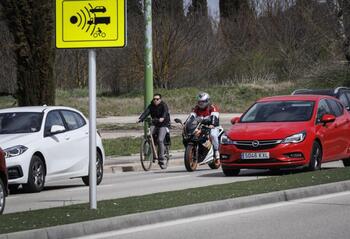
<point x="225" y="121"/>
<point x="225" y="117"/>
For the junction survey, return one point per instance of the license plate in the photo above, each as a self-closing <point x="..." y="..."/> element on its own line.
<point x="260" y="155"/>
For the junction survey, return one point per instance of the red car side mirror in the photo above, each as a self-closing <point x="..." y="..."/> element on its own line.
<point x="327" y="118"/>
<point x="235" y="120"/>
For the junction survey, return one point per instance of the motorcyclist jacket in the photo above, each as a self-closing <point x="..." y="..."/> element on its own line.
<point x="210" y="111"/>
<point x="157" y="112"/>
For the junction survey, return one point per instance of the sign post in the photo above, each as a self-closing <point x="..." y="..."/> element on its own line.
<point x="92" y="130"/>
<point x="91" y="24"/>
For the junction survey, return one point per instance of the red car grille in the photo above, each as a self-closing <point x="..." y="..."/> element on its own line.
<point x="256" y="144"/>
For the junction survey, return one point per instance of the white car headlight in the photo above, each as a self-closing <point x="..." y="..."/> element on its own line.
<point x="296" y="138"/>
<point x="15" y="151"/>
<point x="225" y="140"/>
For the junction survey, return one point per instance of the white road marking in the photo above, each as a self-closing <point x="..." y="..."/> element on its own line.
<point x="167" y="178"/>
<point x="76" y="189"/>
<point x="86" y="188"/>
<point x="12" y="197"/>
<point x="208" y="217"/>
<point x="106" y="186"/>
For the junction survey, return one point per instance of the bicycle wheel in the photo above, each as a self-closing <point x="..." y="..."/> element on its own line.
<point x="146" y="155"/>
<point x="166" y="158"/>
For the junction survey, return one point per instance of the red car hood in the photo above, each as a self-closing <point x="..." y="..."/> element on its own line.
<point x="265" y="131"/>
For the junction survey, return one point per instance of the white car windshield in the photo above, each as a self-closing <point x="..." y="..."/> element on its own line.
<point x="20" y="122"/>
<point x="279" y="111"/>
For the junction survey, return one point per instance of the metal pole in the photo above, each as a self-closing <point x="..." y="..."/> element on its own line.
<point x="92" y="129"/>
<point x="148" y="55"/>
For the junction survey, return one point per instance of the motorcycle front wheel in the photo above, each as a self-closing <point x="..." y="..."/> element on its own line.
<point x="191" y="159"/>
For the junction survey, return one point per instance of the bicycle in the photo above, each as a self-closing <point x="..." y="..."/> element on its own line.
<point x="149" y="149"/>
<point x="100" y="33"/>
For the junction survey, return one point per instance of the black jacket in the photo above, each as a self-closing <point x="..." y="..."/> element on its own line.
<point x="157" y="112"/>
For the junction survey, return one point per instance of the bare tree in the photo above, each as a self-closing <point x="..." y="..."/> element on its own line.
<point x="341" y="9"/>
<point x="31" y="23"/>
<point x="7" y="61"/>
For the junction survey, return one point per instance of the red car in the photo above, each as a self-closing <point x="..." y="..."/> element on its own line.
<point x="287" y="131"/>
<point x="3" y="181"/>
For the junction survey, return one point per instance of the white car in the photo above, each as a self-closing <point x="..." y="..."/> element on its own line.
<point x="44" y="144"/>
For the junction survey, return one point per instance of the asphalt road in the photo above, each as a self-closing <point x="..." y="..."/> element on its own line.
<point x="118" y="185"/>
<point x="321" y="217"/>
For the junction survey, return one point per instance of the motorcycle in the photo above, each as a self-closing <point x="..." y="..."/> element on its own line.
<point x="198" y="146"/>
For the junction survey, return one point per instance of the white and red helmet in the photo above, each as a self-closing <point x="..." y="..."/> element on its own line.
<point x="203" y="100"/>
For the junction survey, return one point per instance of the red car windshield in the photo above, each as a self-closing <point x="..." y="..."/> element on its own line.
<point x="279" y="111"/>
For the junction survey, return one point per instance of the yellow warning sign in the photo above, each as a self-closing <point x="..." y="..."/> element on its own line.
<point x="90" y="23"/>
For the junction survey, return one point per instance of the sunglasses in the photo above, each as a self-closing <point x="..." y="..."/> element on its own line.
<point x="156" y="99"/>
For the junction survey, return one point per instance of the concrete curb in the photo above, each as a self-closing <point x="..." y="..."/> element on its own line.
<point x="133" y="220"/>
<point x="132" y="163"/>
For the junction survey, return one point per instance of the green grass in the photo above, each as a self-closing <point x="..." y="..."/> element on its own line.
<point x="233" y="98"/>
<point x="127" y="146"/>
<point x="230" y="98"/>
<point x="7" y="102"/>
<point x="117" y="207"/>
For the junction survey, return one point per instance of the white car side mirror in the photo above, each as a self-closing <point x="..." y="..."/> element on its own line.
<point x="55" y="129"/>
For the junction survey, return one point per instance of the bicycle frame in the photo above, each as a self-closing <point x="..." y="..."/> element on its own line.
<point x="153" y="145"/>
<point x="149" y="137"/>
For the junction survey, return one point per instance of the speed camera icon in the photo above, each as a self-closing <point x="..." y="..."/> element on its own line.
<point x="87" y="19"/>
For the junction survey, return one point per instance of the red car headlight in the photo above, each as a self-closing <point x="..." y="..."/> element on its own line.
<point x="226" y="140"/>
<point x="296" y="138"/>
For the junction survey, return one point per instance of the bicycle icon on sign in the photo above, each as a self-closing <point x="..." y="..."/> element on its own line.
<point x="99" y="33"/>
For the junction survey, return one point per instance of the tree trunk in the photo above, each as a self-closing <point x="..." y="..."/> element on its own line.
<point x="340" y="9"/>
<point x="31" y="23"/>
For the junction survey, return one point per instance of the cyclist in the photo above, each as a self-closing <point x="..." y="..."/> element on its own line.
<point x="206" y="109"/>
<point x="159" y="112"/>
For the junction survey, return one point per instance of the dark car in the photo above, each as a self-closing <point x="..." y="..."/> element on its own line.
<point x="341" y="93"/>
<point x="98" y="9"/>
<point x="3" y="181"/>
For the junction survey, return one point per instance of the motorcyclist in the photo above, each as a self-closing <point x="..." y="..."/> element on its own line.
<point x="159" y="112"/>
<point x="206" y="109"/>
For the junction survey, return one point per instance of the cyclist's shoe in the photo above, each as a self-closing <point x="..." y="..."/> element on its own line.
<point x="162" y="163"/>
<point x="217" y="155"/>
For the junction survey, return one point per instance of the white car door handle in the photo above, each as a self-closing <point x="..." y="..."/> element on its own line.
<point x="67" y="138"/>
<point x="86" y="132"/>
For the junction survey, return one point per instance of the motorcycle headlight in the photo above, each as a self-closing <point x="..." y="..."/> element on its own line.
<point x="296" y="138"/>
<point x="15" y="151"/>
<point x="226" y="140"/>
